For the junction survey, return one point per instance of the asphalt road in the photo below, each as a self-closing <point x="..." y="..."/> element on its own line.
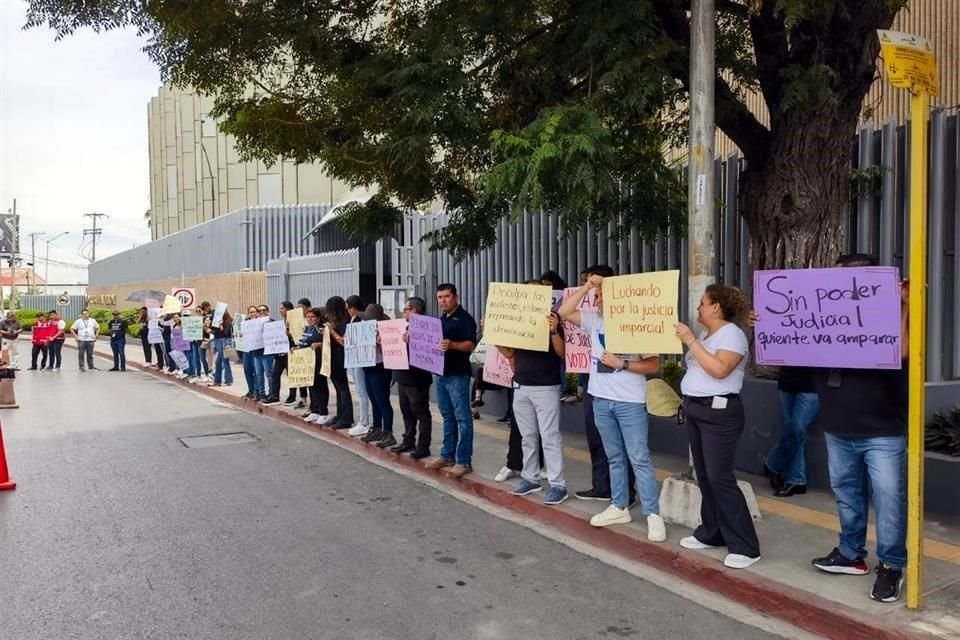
<point x="117" y="530"/>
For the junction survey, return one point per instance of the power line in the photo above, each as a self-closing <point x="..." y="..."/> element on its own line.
<point x="94" y="232"/>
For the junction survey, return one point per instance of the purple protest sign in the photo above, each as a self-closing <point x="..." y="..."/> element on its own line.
<point x="177" y="343"/>
<point x="423" y="337"/>
<point x="843" y="318"/>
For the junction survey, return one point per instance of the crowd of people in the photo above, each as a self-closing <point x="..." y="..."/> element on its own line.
<point x="863" y="412"/>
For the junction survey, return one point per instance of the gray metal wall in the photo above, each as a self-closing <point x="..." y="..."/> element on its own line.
<point x="877" y="224"/>
<point x="317" y="277"/>
<point x="48" y="302"/>
<point x="245" y="239"/>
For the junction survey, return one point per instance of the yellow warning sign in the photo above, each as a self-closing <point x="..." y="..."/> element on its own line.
<point x="910" y="61"/>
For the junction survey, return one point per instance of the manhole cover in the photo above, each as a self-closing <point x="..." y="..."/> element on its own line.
<point x="217" y="439"/>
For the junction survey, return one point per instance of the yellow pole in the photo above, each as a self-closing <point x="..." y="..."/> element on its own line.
<point x="917" y="333"/>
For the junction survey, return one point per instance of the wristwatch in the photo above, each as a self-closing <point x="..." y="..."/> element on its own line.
<point x="624" y="364"/>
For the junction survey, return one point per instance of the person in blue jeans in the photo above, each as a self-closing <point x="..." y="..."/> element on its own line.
<point x="786" y="465"/>
<point x="618" y="386"/>
<point x="453" y="387"/>
<point x="864" y="418"/>
<point x="222" y="337"/>
<point x="250" y="365"/>
<point x="264" y="365"/>
<point x="118" y="342"/>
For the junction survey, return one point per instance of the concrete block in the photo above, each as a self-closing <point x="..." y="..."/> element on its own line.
<point x="680" y="501"/>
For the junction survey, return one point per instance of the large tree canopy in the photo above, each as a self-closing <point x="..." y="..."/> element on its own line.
<point x="496" y="106"/>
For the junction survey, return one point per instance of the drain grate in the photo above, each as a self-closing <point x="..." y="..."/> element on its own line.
<point x="217" y="439"/>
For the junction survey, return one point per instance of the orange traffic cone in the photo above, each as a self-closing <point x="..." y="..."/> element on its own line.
<point x="6" y="482"/>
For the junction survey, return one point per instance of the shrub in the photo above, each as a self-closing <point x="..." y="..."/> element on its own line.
<point x="671" y="372"/>
<point x="943" y="432"/>
<point x="27" y="317"/>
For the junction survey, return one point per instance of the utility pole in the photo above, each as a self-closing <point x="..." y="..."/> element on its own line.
<point x="94" y="232"/>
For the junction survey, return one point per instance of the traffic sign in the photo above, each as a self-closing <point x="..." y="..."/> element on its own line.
<point x="63" y="300"/>
<point x="910" y="61"/>
<point x="186" y="295"/>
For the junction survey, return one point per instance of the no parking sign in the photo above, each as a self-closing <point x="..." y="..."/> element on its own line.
<point x="186" y="295"/>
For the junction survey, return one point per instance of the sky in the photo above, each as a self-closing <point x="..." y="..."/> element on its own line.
<point x="73" y="138"/>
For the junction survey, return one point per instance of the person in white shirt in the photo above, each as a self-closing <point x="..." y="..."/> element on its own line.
<point x="618" y="385"/>
<point x="85" y="329"/>
<point x="716" y="361"/>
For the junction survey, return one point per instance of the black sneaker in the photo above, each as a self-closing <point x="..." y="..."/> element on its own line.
<point x="777" y="481"/>
<point x="387" y="441"/>
<point x="504" y="420"/>
<point x="836" y="562"/>
<point x="375" y="435"/>
<point x="591" y="494"/>
<point x="420" y="454"/>
<point x="888" y="585"/>
<point x="270" y="402"/>
<point x="403" y="447"/>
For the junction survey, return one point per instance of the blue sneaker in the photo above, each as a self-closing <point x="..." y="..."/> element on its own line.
<point x="555" y="495"/>
<point x="526" y="487"/>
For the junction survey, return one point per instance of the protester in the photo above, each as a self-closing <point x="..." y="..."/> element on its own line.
<point x="453" y="387"/>
<point x="263" y="363"/>
<point x="553" y="280"/>
<point x="55" y="345"/>
<point x="39" y="336"/>
<point x="85" y="329"/>
<point x="413" y="390"/>
<point x="250" y="367"/>
<point x="582" y="378"/>
<point x="319" y="392"/>
<point x="280" y="361"/>
<point x="206" y="346"/>
<point x="222" y="337"/>
<point x="716" y="360"/>
<point x="378" y="388"/>
<point x="336" y="323"/>
<point x="291" y="401"/>
<point x="143" y="321"/>
<point x="118" y="341"/>
<point x="864" y="417"/>
<point x="355" y="309"/>
<point x="10" y="330"/>
<point x="618" y="386"/>
<point x="536" y="407"/>
<point x="167" y="323"/>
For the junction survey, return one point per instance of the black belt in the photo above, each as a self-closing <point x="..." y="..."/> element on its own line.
<point x="709" y="399"/>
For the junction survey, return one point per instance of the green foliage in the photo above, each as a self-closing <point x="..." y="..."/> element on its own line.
<point x="27" y="317"/>
<point x="672" y="373"/>
<point x="943" y="432"/>
<point x="868" y="182"/>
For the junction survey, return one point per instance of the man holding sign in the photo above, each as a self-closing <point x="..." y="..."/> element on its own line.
<point x="453" y="387"/>
<point x="618" y="385"/>
<point x="413" y="389"/>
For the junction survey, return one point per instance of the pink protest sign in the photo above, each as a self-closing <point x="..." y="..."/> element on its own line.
<point x="423" y="336"/>
<point x="392" y="344"/>
<point x="843" y="317"/>
<point x="496" y="368"/>
<point x="576" y="341"/>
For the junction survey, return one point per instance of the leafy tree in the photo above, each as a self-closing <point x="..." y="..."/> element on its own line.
<point x="495" y="106"/>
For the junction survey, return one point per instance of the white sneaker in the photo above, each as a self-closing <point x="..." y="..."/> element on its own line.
<point x="324" y="420"/>
<point x="656" y="529"/>
<point x="691" y="542"/>
<point x="312" y="417"/>
<point x="611" y="515"/>
<point x="737" y="561"/>
<point x="505" y="474"/>
<point x="359" y="430"/>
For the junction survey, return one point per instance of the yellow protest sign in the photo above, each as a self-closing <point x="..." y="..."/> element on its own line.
<point x="301" y="368"/>
<point x="639" y="311"/>
<point x="326" y="358"/>
<point x="517" y="316"/>
<point x="296" y="323"/>
<point x="662" y="400"/>
<point x="171" y="305"/>
<point x="910" y="61"/>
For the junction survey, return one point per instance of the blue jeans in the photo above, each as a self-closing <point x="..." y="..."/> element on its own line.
<point x="882" y="461"/>
<point x="364" y="399"/>
<point x="118" y="347"/>
<point x="453" y="397"/>
<point x="195" y="358"/>
<point x="797" y="413"/>
<point x="222" y="372"/>
<point x="623" y="428"/>
<point x="377" y="381"/>
<point x="264" y="373"/>
<point x="250" y="373"/>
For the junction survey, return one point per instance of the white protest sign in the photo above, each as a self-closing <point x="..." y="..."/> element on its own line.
<point x="275" y="338"/>
<point x="360" y="344"/>
<point x="253" y="333"/>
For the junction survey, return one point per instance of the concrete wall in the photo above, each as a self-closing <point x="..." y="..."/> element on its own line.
<point x="238" y="290"/>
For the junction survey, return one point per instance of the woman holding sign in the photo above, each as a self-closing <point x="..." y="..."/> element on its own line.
<point x="337" y="320"/>
<point x="716" y="361"/>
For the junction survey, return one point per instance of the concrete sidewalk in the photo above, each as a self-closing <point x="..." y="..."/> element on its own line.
<point x="792" y="532"/>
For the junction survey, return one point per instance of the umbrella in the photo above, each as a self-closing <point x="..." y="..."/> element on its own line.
<point x="147" y="294"/>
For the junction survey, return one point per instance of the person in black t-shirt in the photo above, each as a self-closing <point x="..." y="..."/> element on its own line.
<point x="413" y="389"/>
<point x="118" y="342"/>
<point x="453" y="387"/>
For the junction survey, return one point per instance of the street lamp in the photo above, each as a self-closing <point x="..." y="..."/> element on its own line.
<point x="46" y="266"/>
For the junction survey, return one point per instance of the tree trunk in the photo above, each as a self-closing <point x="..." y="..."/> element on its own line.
<point x="795" y="198"/>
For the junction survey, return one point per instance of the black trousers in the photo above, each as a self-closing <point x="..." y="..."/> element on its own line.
<point x="38" y="349"/>
<point x="280" y="364"/>
<point x="344" y="414"/>
<point x="599" y="465"/>
<point x="713" y="437"/>
<point x="319" y="394"/>
<point x="415" y="409"/>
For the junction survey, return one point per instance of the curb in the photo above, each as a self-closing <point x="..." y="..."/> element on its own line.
<point x="802" y="609"/>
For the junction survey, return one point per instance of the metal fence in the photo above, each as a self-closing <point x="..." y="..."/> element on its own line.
<point x="316" y="277"/>
<point x="244" y="240"/>
<point x="48" y="302"/>
<point x="877" y="224"/>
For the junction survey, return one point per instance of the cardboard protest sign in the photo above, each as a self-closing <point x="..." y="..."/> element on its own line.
<point x="640" y="311"/>
<point x="238" y="321"/>
<point x="301" y="368"/>
<point x="296" y="323"/>
<point x="253" y="333"/>
<point x="275" y="338"/>
<point x="392" y="344"/>
<point x="576" y="340"/>
<point x="360" y="344"/>
<point x="192" y="328"/>
<point x="326" y="356"/>
<point x="218" y="311"/>
<point x="844" y="317"/>
<point x="423" y="336"/>
<point x="496" y="368"/>
<point x="177" y="341"/>
<point x="154" y="333"/>
<point x="171" y="305"/>
<point x="180" y="359"/>
<point x="516" y="316"/>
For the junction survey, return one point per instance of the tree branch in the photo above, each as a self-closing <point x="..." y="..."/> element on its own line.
<point x="513" y="47"/>
<point x="769" y="36"/>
